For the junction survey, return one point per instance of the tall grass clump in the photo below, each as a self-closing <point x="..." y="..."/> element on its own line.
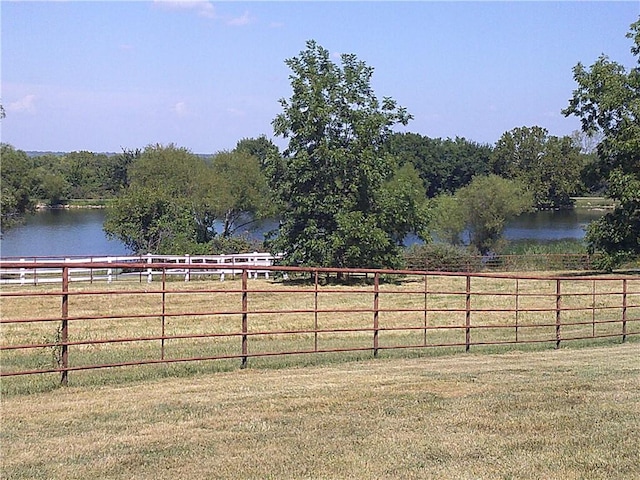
<point x="564" y="246"/>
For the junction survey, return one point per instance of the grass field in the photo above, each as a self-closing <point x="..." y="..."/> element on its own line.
<point x="563" y="414"/>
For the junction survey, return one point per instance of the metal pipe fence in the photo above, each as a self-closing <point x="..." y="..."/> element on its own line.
<point x="69" y="327"/>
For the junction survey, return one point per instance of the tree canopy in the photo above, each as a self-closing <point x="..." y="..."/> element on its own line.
<point x="607" y="101"/>
<point x="18" y="185"/>
<point x="176" y="201"/>
<point x="548" y="166"/>
<point x="482" y="208"/>
<point x="335" y="183"/>
<point x="444" y="165"/>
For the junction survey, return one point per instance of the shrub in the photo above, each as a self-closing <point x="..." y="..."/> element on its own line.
<point x="443" y="257"/>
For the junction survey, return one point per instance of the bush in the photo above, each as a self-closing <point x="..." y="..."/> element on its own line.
<point x="443" y="257"/>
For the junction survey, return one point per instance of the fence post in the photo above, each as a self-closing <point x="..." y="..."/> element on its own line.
<point x="64" y="328"/>
<point x="164" y="289"/>
<point x="244" y="318"/>
<point x="467" y="336"/>
<point x="67" y="260"/>
<point x="593" y="309"/>
<point x="149" y="270"/>
<point x="624" y="310"/>
<point x="22" y="273"/>
<point x="376" y="300"/>
<point x="187" y="261"/>
<point x="426" y="306"/>
<point x="558" y="310"/>
<point x="315" y="314"/>
<point x="517" y="306"/>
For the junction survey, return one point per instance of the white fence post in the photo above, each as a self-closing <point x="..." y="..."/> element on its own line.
<point x="68" y="260"/>
<point x="149" y="270"/>
<point x="109" y="271"/>
<point x="22" y="274"/>
<point x="187" y="261"/>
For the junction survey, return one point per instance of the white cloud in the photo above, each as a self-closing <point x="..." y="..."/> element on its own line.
<point x="244" y="19"/>
<point x="25" y="104"/>
<point x="180" y="109"/>
<point x="204" y="8"/>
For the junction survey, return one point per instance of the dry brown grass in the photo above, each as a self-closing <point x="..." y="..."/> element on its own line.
<point x="565" y="414"/>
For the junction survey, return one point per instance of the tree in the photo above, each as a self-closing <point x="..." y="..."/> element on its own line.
<point x="150" y="220"/>
<point x="549" y="166"/>
<point x="53" y="188"/>
<point x="449" y="219"/>
<point x="169" y="206"/>
<point x="444" y="165"/>
<point x="260" y="147"/>
<point x="607" y="101"/>
<point x="482" y="208"/>
<point x="175" y="201"/>
<point x="18" y="185"/>
<point x="83" y="174"/>
<point x="331" y="182"/>
<point x="245" y="189"/>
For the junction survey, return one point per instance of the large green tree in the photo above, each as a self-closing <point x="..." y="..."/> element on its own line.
<point x="150" y="220"/>
<point x="607" y="101"/>
<point x="549" y="166"/>
<point x="334" y="181"/>
<point x="176" y="201"/>
<point x="167" y="207"/>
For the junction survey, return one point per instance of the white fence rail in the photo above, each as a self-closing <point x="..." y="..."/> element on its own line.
<point x="220" y="266"/>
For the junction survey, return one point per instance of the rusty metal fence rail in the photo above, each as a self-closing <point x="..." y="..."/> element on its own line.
<point x="59" y="329"/>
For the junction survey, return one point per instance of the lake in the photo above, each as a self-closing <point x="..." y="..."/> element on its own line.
<point x="71" y="232"/>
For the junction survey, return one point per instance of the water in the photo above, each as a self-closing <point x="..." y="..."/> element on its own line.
<point x="551" y="225"/>
<point x="61" y="233"/>
<point x="79" y="232"/>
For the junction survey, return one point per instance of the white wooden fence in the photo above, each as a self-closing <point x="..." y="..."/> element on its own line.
<point x="221" y="266"/>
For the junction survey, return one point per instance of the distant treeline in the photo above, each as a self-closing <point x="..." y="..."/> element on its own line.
<point x="554" y="168"/>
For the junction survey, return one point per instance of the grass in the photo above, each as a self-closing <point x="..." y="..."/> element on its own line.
<point x="594" y="202"/>
<point x="559" y="247"/>
<point x="568" y="413"/>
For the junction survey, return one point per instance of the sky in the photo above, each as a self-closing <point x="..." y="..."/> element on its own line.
<point x="108" y="76"/>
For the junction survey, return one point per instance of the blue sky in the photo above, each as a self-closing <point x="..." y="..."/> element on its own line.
<point x="103" y="76"/>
